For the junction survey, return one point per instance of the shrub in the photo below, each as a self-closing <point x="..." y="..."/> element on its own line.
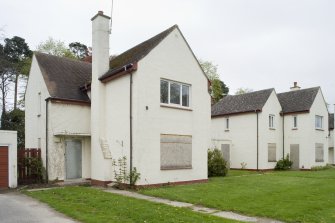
<point x="284" y="164"/>
<point x="217" y="166"/>
<point x="317" y="168"/>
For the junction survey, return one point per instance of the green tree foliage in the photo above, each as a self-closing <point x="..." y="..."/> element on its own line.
<point x="79" y="50"/>
<point x="284" y="164"/>
<point x="17" y="52"/>
<point x="56" y="48"/>
<point x="217" y="166"/>
<point x="14" y="120"/>
<point x="218" y="87"/>
<point x="243" y="90"/>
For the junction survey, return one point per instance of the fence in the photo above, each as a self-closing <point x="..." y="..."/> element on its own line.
<point x="29" y="166"/>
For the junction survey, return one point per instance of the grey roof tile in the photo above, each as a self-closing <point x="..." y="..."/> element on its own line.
<point x="298" y="101"/>
<point x="63" y="76"/>
<point x="234" y="104"/>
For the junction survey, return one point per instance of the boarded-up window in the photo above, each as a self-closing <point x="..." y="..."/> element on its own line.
<point x="272" y="152"/>
<point x="225" y="149"/>
<point x="319" y="153"/>
<point x="176" y="152"/>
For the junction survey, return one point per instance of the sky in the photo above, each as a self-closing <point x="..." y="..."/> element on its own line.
<point x="256" y="44"/>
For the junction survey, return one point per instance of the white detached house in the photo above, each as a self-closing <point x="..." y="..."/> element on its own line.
<point x="150" y="104"/>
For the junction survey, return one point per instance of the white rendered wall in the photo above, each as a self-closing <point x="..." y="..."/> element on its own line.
<point x="66" y="122"/>
<point x="9" y="138"/>
<point x="306" y="135"/>
<point x="35" y="123"/>
<point x="172" y="60"/>
<point x="242" y="134"/>
<point x="270" y="135"/>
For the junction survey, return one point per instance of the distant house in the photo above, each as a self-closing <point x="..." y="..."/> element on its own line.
<point x="247" y="128"/>
<point x="305" y="121"/>
<point x="150" y="104"/>
<point x="255" y="130"/>
<point x="331" y="139"/>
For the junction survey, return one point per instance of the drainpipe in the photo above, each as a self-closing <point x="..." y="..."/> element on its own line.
<point x="131" y="123"/>
<point x="282" y="113"/>
<point x="257" y="139"/>
<point x="46" y="138"/>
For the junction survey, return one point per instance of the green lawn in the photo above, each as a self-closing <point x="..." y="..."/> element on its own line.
<point x="93" y="205"/>
<point x="292" y="196"/>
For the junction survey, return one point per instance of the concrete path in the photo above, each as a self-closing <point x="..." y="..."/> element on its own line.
<point x="196" y="208"/>
<point x="19" y="208"/>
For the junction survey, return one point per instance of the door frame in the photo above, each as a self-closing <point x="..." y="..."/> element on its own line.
<point x="65" y="167"/>
<point x="298" y="155"/>
<point x="9" y="164"/>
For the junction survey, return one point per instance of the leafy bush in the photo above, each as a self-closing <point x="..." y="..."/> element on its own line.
<point x="284" y="164"/>
<point x="217" y="166"/>
<point x="317" y="168"/>
<point x="122" y="176"/>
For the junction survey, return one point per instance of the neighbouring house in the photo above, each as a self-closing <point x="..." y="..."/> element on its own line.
<point x="255" y="130"/>
<point x="8" y="159"/>
<point x="305" y="118"/>
<point x="150" y="104"/>
<point x="247" y="129"/>
<point x="331" y="139"/>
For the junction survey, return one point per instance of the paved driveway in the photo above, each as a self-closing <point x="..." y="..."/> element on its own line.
<point x="16" y="208"/>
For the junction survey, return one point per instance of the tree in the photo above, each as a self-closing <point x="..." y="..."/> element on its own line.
<point x="218" y="87"/>
<point x="17" y="52"/>
<point x="56" y="48"/>
<point x="79" y="50"/>
<point x="243" y="90"/>
<point x="14" y="120"/>
<point x="6" y="77"/>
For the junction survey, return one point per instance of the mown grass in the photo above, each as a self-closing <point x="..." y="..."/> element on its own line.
<point x="92" y="205"/>
<point x="292" y="196"/>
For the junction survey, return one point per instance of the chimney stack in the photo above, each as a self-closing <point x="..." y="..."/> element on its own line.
<point x="295" y="86"/>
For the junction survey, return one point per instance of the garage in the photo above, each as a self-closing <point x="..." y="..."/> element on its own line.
<point x="4" y="166"/>
<point x="8" y="159"/>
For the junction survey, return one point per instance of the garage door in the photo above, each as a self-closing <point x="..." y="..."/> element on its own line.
<point x="3" y="166"/>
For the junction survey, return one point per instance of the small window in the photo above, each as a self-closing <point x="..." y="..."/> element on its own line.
<point x="227" y="123"/>
<point x="295" y="122"/>
<point x="39" y="143"/>
<point x="39" y="104"/>
<point x="318" y="122"/>
<point x="272" y="152"/>
<point x="175" y="93"/>
<point x="271" y="121"/>
<point x="319" y="153"/>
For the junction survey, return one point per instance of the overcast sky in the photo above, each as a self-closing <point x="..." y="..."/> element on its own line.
<point x="256" y="44"/>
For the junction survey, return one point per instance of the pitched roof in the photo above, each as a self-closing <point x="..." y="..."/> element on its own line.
<point x="63" y="77"/>
<point x="136" y="53"/>
<point x="299" y="100"/>
<point x="331" y="121"/>
<point x="248" y="102"/>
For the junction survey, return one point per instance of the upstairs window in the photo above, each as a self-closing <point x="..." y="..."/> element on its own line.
<point x="227" y="123"/>
<point x="295" y="122"/>
<point x="271" y="121"/>
<point x="318" y="122"/>
<point x="174" y="93"/>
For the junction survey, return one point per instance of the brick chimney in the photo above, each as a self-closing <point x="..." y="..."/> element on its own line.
<point x="295" y="87"/>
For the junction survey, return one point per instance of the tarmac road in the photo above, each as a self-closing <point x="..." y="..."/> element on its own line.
<point x="19" y="208"/>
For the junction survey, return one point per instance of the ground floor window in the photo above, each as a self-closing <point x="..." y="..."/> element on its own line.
<point x="319" y="153"/>
<point x="176" y="152"/>
<point x="272" y="152"/>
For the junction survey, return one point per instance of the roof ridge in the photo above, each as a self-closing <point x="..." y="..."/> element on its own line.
<point x="59" y="57"/>
<point x="304" y="89"/>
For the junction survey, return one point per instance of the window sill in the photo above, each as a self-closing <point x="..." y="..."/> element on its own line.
<point x="294" y="128"/>
<point x="319" y="161"/>
<point x="176" y="167"/>
<point x="226" y="130"/>
<point x="319" y="129"/>
<point x="39" y="115"/>
<point x="176" y="107"/>
<point x="272" y="161"/>
<point x="272" y="128"/>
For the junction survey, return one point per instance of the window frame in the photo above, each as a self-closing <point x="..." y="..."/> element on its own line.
<point x="227" y="123"/>
<point x="295" y="122"/>
<point x="272" y="121"/>
<point x="321" y="122"/>
<point x="181" y="86"/>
